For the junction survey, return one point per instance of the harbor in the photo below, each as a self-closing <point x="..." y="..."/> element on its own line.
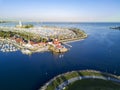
<point x="7" y="47"/>
<point x="22" y="71"/>
<point x="30" y="39"/>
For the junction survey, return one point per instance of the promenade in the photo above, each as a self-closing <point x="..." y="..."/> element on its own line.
<point x="65" y="83"/>
<point x="88" y="74"/>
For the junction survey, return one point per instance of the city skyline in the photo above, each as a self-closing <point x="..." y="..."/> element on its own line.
<point x="61" y="10"/>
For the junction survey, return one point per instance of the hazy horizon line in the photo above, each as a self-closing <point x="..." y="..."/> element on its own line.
<point x="62" y="21"/>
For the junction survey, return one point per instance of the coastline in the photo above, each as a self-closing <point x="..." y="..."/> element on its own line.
<point x="58" y="82"/>
<point x="26" y="50"/>
<point x="74" y="39"/>
<point x="27" y="45"/>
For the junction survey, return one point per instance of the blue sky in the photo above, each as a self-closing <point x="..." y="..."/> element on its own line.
<point x="61" y="10"/>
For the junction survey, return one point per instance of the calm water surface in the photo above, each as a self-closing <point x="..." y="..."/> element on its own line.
<point x="100" y="51"/>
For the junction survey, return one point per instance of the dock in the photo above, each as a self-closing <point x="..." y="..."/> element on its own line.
<point x="67" y="44"/>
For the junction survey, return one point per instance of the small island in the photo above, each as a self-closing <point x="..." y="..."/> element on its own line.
<point x="4" y="21"/>
<point x="29" y="39"/>
<point x="20" y="25"/>
<point x="115" y="28"/>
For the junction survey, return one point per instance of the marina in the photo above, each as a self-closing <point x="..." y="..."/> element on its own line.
<point x="59" y="44"/>
<point x="7" y="47"/>
<point x="32" y="39"/>
<point x="99" y="51"/>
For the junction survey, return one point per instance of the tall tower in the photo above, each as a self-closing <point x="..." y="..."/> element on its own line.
<point x="20" y="23"/>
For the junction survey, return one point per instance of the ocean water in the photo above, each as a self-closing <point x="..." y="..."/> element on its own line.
<point x="100" y="51"/>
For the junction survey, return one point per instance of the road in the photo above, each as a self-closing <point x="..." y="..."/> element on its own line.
<point x="65" y="83"/>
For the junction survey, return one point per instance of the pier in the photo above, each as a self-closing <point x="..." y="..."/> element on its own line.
<point x="67" y="44"/>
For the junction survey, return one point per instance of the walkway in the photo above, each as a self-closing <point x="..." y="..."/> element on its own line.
<point x="64" y="84"/>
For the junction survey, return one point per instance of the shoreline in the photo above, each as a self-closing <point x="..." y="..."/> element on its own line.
<point x="27" y="41"/>
<point x="55" y="84"/>
<point x="26" y="50"/>
<point x="74" y="40"/>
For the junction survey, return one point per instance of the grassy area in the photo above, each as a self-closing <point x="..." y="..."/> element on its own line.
<point x="79" y="33"/>
<point x="93" y="84"/>
<point x="22" y="34"/>
<point x="4" y="21"/>
<point x="58" y="80"/>
<point x="25" y="26"/>
<point x="8" y="34"/>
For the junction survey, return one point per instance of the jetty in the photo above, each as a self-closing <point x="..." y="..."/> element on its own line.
<point x="66" y="44"/>
<point x="62" y="81"/>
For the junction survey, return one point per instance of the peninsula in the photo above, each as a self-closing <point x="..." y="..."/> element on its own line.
<point x="30" y="39"/>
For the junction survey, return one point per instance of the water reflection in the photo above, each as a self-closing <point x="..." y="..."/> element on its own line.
<point x="58" y="55"/>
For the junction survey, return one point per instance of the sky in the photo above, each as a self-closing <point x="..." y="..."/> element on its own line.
<point x="61" y="10"/>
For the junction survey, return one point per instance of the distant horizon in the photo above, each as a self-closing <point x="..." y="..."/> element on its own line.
<point x="61" y="10"/>
<point x="28" y="20"/>
<point x="34" y="20"/>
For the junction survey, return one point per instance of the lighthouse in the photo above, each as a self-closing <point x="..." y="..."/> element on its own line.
<point x="20" y="24"/>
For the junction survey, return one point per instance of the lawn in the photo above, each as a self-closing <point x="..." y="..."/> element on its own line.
<point x="93" y="84"/>
<point x="106" y="85"/>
